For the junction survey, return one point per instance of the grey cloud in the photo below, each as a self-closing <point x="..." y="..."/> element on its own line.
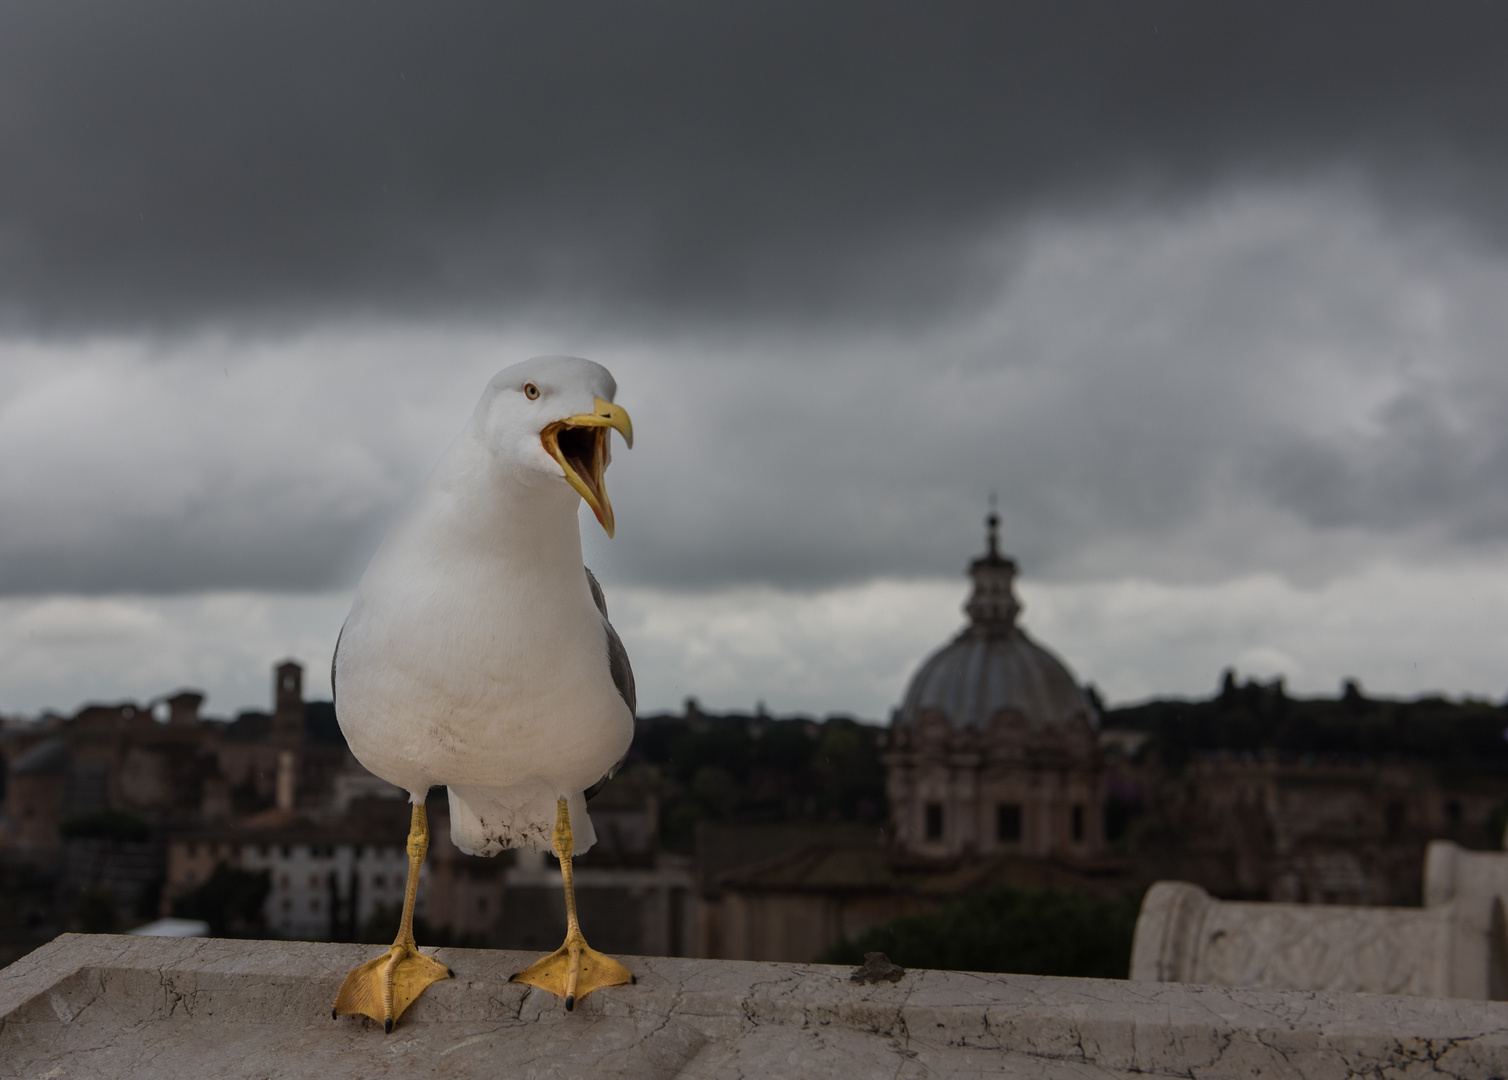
<point x="211" y="547"/>
<point x="1279" y="378"/>
<point x="1420" y="467"/>
<point x="272" y="465"/>
<point x="1146" y="396"/>
<point x="1262" y="384"/>
<point x="173" y="165"/>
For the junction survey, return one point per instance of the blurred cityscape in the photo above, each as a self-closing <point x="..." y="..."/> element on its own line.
<point x="1001" y="785"/>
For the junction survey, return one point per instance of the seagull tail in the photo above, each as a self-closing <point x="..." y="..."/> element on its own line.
<point x="484" y="821"/>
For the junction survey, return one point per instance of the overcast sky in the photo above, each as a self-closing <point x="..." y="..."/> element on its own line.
<point x="1214" y="296"/>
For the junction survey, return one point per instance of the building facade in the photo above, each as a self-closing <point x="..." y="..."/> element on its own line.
<point x="327" y="878"/>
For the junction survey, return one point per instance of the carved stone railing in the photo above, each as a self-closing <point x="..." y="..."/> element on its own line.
<point x="1184" y="935"/>
<point x="1452" y="947"/>
<point x="1474" y="886"/>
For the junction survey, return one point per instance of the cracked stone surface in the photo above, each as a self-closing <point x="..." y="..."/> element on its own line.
<point x="108" y="1006"/>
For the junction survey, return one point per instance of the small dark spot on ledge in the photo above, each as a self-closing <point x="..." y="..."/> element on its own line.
<point x="877" y="969"/>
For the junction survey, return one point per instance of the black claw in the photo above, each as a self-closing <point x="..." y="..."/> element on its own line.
<point x="334" y="1014"/>
<point x="450" y="972"/>
<point x="570" y="1002"/>
<point x="387" y="1027"/>
<point x="633" y="980"/>
<point x="513" y="976"/>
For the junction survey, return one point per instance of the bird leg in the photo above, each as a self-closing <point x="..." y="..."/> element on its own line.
<point x="575" y="969"/>
<point x="384" y="987"/>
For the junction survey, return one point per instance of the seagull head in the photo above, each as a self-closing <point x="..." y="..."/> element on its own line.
<point x="552" y="416"/>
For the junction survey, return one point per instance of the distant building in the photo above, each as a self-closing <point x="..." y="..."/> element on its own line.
<point x="164" y="763"/>
<point x="162" y="769"/>
<point x="327" y="877"/>
<point x="1311" y="829"/>
<point x="995" y="777"/>
<point x="994" y="748"/>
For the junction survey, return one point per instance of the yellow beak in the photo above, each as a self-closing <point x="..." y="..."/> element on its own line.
<point x="580" y="445"/>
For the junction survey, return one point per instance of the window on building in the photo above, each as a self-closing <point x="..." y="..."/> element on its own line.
<point x="379" y="881"/>
<point x="1008" y="823"/>
<point x="314" y="906"/>
<point x="287" y="851"/>
<point x="1078" y="822"/>
<point x="313" y="881"/>
<point x="287" y="906"/>
<point x="934" y="814"/>
<point x="481" y="903"/>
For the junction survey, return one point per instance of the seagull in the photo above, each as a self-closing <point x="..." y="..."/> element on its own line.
<point x="478" y="655"/>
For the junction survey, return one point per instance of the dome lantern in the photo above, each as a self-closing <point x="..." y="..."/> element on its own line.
<point x="993" y="607"/>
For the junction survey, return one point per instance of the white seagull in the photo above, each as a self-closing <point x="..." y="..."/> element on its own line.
<point x="478" y="655"/>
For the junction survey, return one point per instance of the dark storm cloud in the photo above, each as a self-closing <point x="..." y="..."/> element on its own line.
<point x="1279" y="383"/>
<point x="176" y="164"/>
<point x="1280" y="379"/>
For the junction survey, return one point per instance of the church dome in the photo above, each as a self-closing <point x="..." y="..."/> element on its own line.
<point x="992" y="665"/>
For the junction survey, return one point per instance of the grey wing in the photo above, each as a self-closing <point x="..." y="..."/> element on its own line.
<point x="622" y="671"/>
<point x="617" y="655"/>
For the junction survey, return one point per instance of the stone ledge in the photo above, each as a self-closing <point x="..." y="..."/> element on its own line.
<point x="107" y="1006"/>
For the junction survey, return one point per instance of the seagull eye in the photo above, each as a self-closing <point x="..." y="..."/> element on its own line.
<point x="531" y="391"/>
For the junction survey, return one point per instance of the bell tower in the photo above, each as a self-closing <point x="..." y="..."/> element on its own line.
<point x="288" y="703"/>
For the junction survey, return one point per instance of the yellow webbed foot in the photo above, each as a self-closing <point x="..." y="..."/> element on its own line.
<point x="573" y="971"/>
<point x="384" y="987"/>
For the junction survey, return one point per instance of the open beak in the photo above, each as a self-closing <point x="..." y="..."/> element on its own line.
<point x="579" y="443"/>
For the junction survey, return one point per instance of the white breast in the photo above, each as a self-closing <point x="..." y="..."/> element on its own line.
<point x="475" y="656"/>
